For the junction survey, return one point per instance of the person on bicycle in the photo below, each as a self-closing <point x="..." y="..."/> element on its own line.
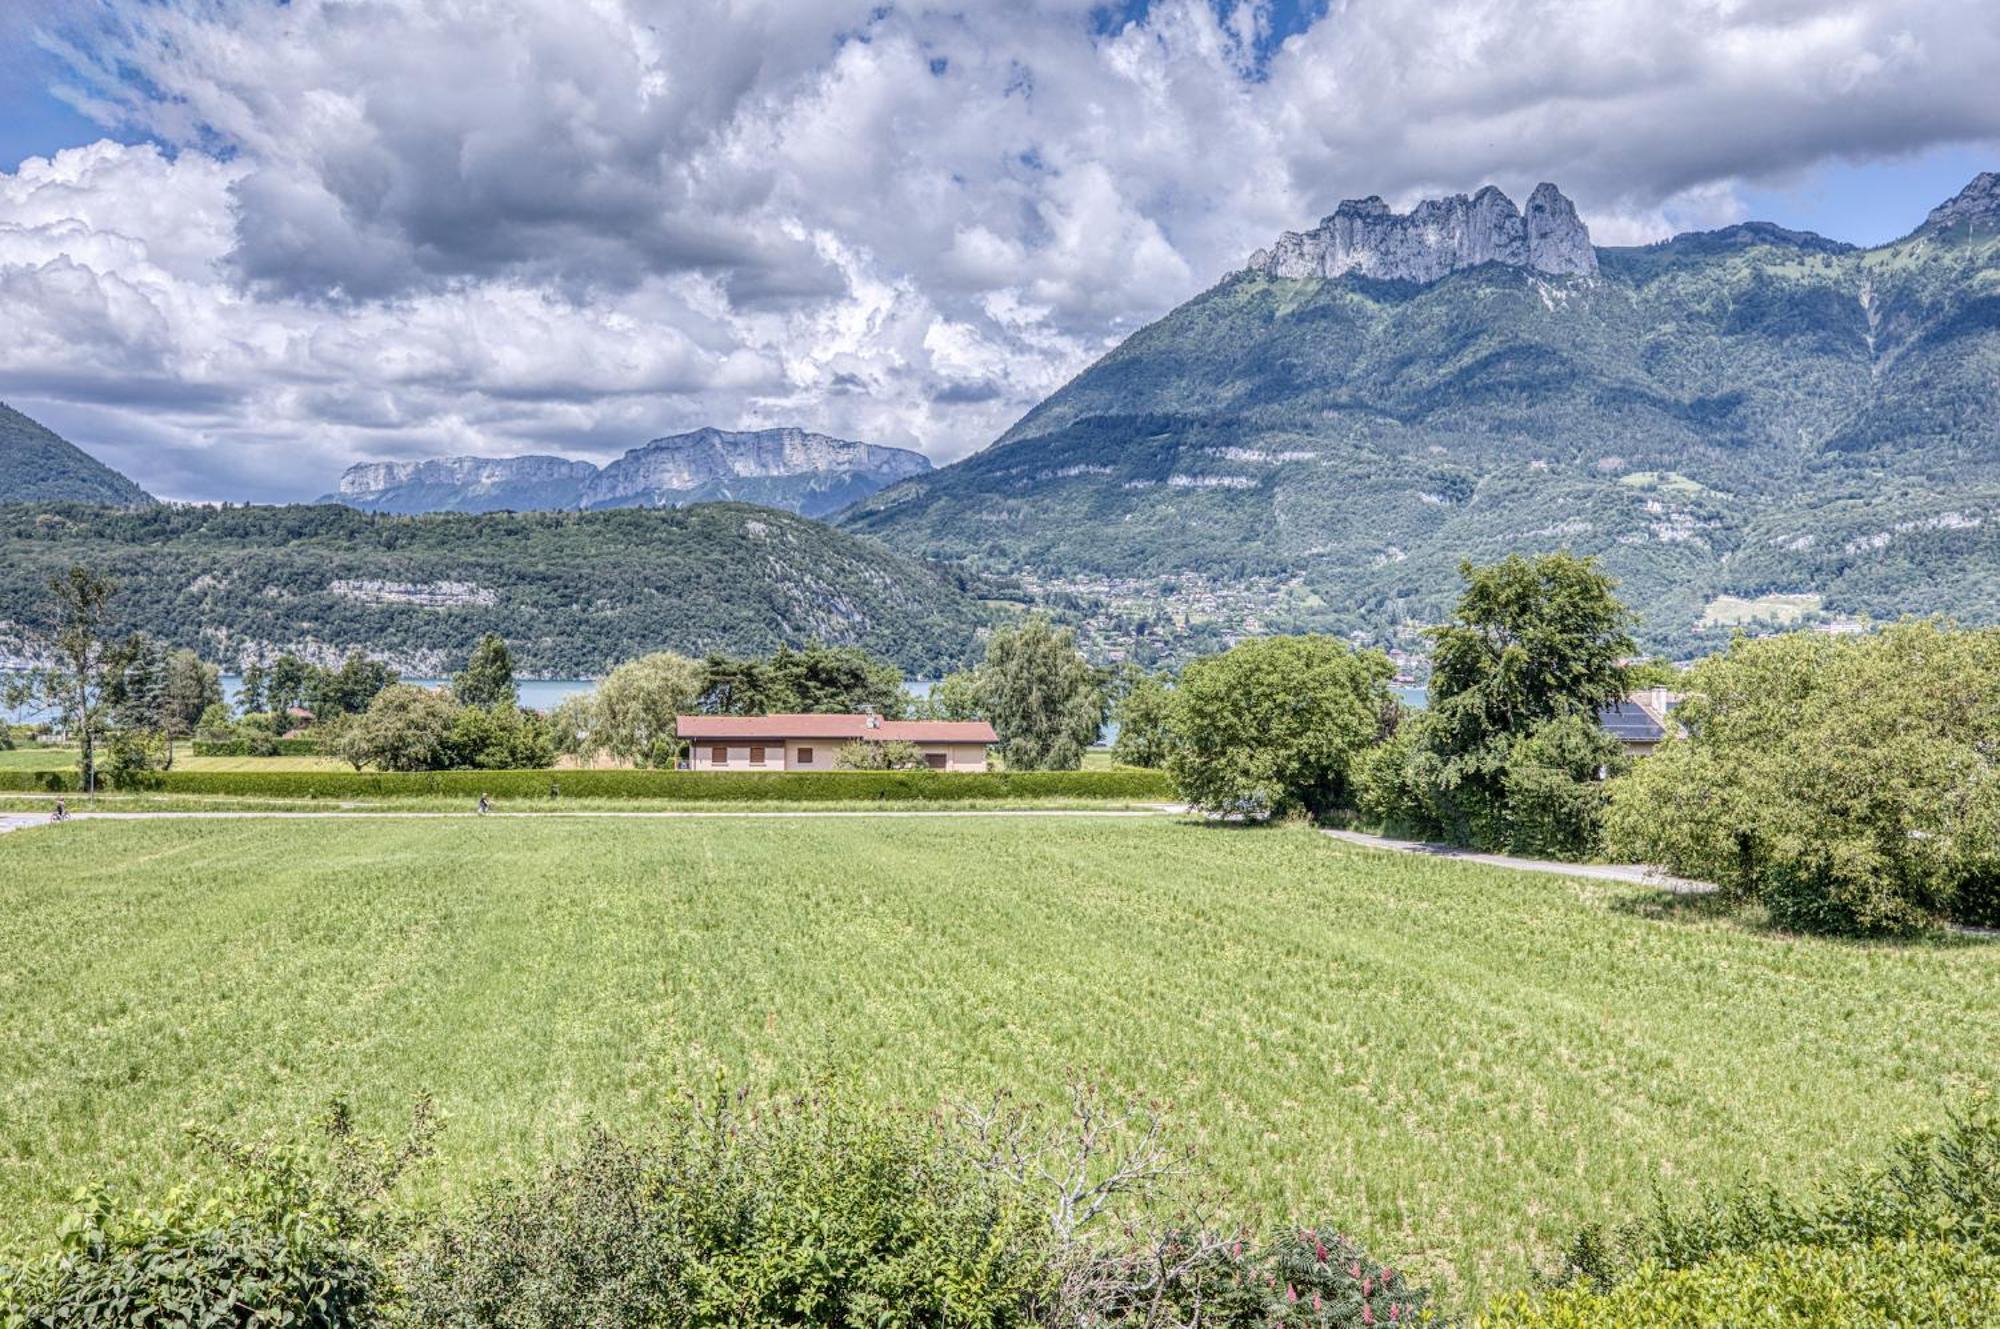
<point x="485" y="805"/>
<point x="61" y="813"/>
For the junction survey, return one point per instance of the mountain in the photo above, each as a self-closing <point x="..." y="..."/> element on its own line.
<point x="1319" y="439"/>
<point x="465" y="484"/>
<point x="572" y="592"/>
<point x="777" y="468"/>
<point x="38" y="465"/>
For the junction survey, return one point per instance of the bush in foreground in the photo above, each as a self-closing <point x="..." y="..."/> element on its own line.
<point x="227" y="1263"/>
<point x="1880" y="1285"/>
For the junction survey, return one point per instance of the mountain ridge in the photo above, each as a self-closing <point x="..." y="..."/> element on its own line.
<point x="1739" y="412"/>
<point x="786" y="468"/>
<point x="38" y="465"/>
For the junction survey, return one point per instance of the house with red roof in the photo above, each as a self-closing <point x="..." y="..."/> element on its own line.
<point x="812" y="742"/>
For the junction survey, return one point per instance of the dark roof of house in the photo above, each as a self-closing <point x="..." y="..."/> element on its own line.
<point x="834" y="727"/>
<point x="1629" y="722"/>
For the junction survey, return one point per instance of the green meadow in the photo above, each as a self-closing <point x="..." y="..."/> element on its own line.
<point x="1458" y="1064"/>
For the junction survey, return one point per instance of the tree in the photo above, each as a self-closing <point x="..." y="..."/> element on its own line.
<point x="1532" y="641"/>
<point x="638" y="703"/>
<point x="406" y="728"/>
<point x="488" y="677"/>
<point x="892" y="754"/>
<point x="955" y="697"/>
<point x="1143" y="715"/>
<point x="348" y="690"/>
<point x="817" y="679"/>
<point x="499" y="738"/>
<point x="192" y="687"/>
<point x="73" y="684"/>
<point x="285" y="686"/>
<point x="1271" y="726"/>
<point x="823" y="679"/>
<point x="136" y="696"/>
<point x="250" y="700"/>
<point x="1042" y="697"/>
<point x="1846" y="784"/>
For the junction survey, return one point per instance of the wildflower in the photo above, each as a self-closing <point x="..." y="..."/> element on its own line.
<point x="1367" y="1314"/>
<point x="1291" y="1293"/>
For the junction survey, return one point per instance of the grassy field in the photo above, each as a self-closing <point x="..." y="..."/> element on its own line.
<point x="1726" y="611"/>
<point x="1458" y="1063"/>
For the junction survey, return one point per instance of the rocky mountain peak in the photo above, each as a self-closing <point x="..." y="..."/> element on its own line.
<point x="1977" y="204"/>
<point x="1436" y="238"/>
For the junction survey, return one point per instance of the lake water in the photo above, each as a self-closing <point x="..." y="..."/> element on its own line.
<point x="542" y="694"/>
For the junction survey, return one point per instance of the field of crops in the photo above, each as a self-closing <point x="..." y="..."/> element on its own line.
<point x="1458" y="1063"/>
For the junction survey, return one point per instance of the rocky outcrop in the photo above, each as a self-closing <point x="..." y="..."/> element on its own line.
<point x="1438" y="237"/>
<point x="666" y="469"/>
<point x="1977" y="205"/>
<point x="801" y="472"/>
<point x="377" y="477"/>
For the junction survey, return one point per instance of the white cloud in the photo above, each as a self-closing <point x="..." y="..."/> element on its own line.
<point x="389" y="227"/>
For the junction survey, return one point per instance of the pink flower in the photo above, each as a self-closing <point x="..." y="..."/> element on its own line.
<point x="1319" y="1251"/>
<point x="1367" y="1315"/>
<point x="1291" y="1293"/>
<point x="1395" y="1313"/>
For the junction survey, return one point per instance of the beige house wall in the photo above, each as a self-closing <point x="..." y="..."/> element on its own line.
<point x="790" y="755"/>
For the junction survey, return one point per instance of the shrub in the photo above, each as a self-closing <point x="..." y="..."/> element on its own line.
<point x="1300" y="1278"/>
<point x="807" y="1213"/>
<point x="1846" y="784"/>
<point x="1881" y="1284"/>
<point x="1556" y="788"/>
<point x="890" y="755"/>
<point x="1942" y="1185"/>
<point x="212" y="1263"/>
<point x="1272" y="725"/>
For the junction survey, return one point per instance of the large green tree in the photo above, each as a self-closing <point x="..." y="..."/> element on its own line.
<point x="632" y="713"/>
<point x="1042" y="697"/>
<point x="488" y="676"/>
<point x="1272" y="725"/>
<point x="405" y="728"/>
<point x="1848" y="784"/>
<point x="1532" y="642"/>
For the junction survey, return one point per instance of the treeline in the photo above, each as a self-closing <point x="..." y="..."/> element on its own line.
<point x="1841" y="783"/>
<point x="815" y="1210"/>
<point x="573" y="593"/>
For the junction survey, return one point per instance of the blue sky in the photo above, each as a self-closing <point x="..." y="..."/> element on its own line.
<point x="322" y="233"/>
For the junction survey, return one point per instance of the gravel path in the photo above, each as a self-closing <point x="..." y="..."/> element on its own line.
<point x="1637" y="874"/>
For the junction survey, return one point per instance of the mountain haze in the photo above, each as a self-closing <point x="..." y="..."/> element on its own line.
<point x="1744" y="411"/>
<point x="37" y="465"/>
<point x="791" y="469"/>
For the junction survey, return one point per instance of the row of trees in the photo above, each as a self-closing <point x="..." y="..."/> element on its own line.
<point x="1508" y="755"/>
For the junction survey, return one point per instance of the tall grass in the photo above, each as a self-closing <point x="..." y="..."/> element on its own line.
<point x="1465" y="1064"/>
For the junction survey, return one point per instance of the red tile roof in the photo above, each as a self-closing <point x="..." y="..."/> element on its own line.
<point x="834" y="727"/>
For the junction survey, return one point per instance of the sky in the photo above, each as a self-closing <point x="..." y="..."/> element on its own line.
<point x="246" y="243"/>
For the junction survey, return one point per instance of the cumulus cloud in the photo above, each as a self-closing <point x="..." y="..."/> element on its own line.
<point x="365" y="228"/>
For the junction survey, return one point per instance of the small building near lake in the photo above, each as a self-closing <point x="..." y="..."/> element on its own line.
<point x="813" y="742"/>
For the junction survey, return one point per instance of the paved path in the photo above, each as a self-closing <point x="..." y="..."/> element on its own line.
<point x="1637" y="874"/>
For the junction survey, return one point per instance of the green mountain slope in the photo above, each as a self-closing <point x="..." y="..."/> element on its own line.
<point x="573" y="593"/>
<point x="1745" y="412"/>
<point x="38" y="465"/>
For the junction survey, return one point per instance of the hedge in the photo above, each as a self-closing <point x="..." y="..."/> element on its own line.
<point x="685" y="786"/>
<point x="1801" y="1287"/>
<point x="278" y="747"/>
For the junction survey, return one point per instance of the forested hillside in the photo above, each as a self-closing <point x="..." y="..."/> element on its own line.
<point x="37" y="465"/>
<point x="1738" y="412"/>
<point x="573" y="593"/>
